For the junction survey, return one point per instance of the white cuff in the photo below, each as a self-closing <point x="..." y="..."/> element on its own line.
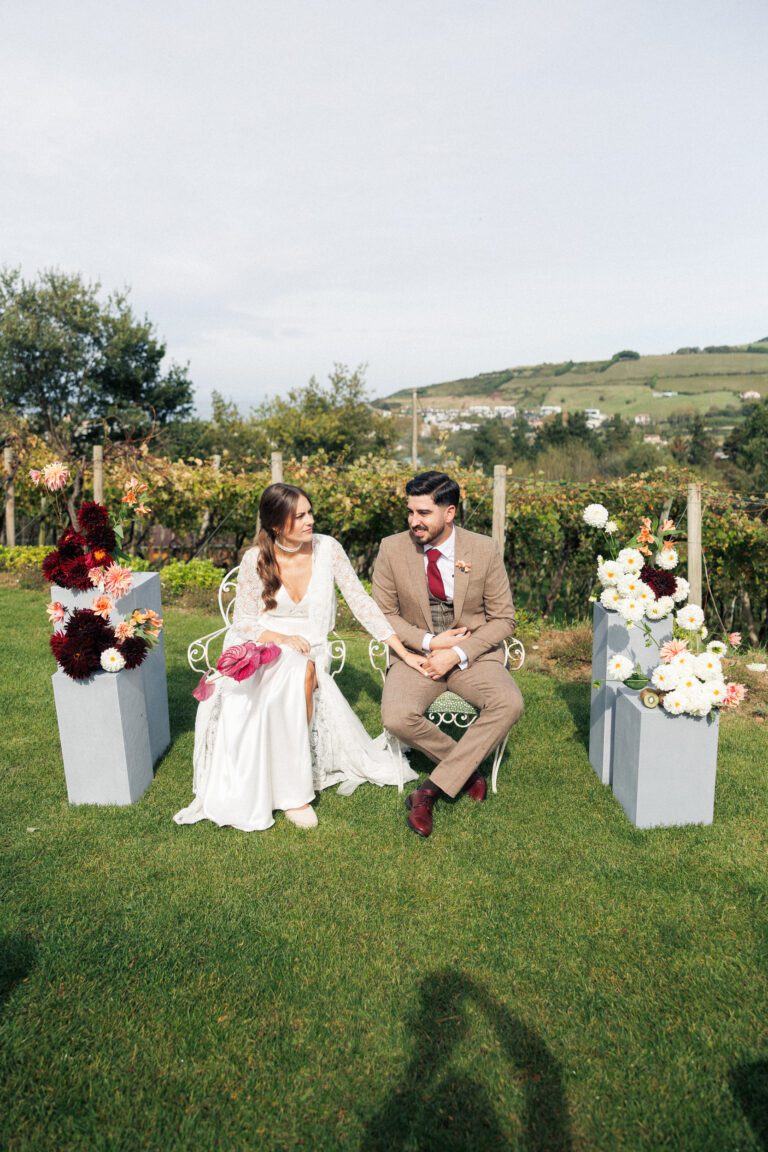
<point x="425" y="644"/>
<point x="463" y="661"/>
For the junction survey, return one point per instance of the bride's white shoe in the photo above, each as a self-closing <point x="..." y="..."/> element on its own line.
<point x="302" y="817"/>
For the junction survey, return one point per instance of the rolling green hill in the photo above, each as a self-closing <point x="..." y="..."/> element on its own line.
<point x="705" y="382"/>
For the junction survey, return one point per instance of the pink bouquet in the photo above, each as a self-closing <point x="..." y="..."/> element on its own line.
<point x="238" y="662"/>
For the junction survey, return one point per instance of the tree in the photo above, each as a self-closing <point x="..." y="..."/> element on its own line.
<point x="81" y="369"/>
<point x="747" y="446"/>
<point x="700" y="447"/>
<point x="338" y="419"/>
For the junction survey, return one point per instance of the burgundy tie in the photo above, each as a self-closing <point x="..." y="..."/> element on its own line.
<point x="434" y="579"/>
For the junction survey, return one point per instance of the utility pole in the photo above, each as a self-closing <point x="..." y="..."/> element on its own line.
<point x="414" y="431"/>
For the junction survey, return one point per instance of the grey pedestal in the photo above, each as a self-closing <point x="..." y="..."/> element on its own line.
<point x="104" y="736"/>
<point x="612" y="637"/>
<point x="664" y="766"/>
<point x="145" y="593"/>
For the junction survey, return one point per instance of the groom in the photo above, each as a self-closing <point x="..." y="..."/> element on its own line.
<point x="445" y="592"/>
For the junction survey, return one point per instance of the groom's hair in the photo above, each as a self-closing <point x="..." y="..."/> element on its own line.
<point x="440" y="487"/>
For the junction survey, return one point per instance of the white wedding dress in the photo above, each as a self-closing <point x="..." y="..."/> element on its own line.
<point x="254" y="752"/>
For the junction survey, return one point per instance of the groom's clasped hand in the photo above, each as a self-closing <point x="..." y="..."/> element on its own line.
<point x="437" y="665"/>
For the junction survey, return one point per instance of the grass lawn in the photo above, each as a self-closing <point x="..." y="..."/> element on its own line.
<point x="537" y="975"/>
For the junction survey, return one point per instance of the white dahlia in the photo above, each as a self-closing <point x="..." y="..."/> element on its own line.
<point x="112" y="660"/>
<point x="630" y="610"/>
<point x="682" y="591"/>
<point x="708" y="667"/>
<point x="683" y="662"/>
<point x="667" y="559"/>
<point x="666" y="604"/>
<point x="619" y="668"/>
<point x="632" y="559"/>
<point x="629" y="584"/>
<point x="665" y="677"/>
<point x="596" y="516"/>
<point x="698" y="700"/>
<point x="718" y="647"/>
<point x="691" y="617"/>
<point x="675" y="702"/>
<point x="610" y="598"/>
<point x="609" y="572"/>
<point x="717" y="692"/>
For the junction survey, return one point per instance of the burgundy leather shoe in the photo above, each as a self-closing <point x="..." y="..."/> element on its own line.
<point x="476" y="787"/>
<point x="419" y="805"/>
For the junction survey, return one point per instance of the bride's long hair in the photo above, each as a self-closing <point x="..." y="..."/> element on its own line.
<point x="277" y="510"/>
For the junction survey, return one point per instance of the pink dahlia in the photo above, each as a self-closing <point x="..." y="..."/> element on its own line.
<point x="35" y="476"/>
<point x="102" y="606"/>
<point x="55" y="476"/>
<point x="734" y="694"/>
<point x="56" y="612"/>
<point x="734" y="639"/>
<point x="125" y="630"/>
<point x="672" y="648"/>
<point x="117" y="581"/>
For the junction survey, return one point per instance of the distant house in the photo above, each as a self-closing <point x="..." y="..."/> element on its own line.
<point x="642" y="418"/>
<point x="550" y="410"/>
<point x="749" y="396"/>
<point x="653" y="438"/>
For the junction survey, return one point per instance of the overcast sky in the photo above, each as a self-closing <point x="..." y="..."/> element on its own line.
<point x="435" y="187"/>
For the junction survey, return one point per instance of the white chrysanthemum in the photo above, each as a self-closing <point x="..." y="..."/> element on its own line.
<point x="609" y="572"/>
<point x="610" y="598"/>
<point x="717" y="691"/>
<point x="682" y="591"/>
<point x="619" y="668"/>
<point x="708" y="667"/>
<point x="611" y="527"/>
<point x="645" y="595"/>
<point x="697" y="700"/>
<point x="683" y="661"/>
<point x="629" y="584"/>
<point x="630" y="610"/>
<point x="717" y="647"/>
<point x="691" y="617"/>
<point x="596" y="516"/>
<point x="688" y="682"/>
<point x="632" y="559"/>
<point x="666" y="604"/>
<point x="667" y="559"/>
<point x="654" y="611"/>
<point x="112" y="660"/>
<point x="675" y="702"/>
<point x="665" y="677"/>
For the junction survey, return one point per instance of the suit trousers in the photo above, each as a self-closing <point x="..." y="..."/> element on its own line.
<point x="487" y="684"/>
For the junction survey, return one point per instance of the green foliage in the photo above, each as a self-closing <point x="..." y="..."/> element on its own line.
<point x="80" y="369"/>
<point x="26" y="556"/>
<point x="626" y="354"/>
<point x="178" y="577"/>
<point x="338" y="417"/>
<point x="747" y="446"/>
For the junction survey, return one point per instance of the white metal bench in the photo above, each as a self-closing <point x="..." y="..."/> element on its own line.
<point x="450" y="708"/>
<point x="199" y="651"/>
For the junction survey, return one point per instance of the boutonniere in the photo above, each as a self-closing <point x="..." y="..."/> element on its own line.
<point x="463" y="566"/>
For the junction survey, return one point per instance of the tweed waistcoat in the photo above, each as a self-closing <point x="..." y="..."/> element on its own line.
<point x="442" y="613"/>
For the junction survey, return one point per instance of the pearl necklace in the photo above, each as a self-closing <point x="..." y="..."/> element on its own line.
<point x="283" y="547"/>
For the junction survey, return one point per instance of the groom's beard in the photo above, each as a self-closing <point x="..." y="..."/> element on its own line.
<point x="425" y="536"/>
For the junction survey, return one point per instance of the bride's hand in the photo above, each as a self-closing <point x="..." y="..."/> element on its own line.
<point x="414" y="661"/>
<point x="298" y="643"/>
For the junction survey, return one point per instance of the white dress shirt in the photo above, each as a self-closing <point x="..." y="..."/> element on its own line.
<point x="446" y="566"/>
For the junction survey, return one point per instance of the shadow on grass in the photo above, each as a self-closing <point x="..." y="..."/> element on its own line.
<point x="17" y="959"/>
<point x="575" y="695"/>
<point x="749" y="1084"/>
<point x="436" y="1107"/>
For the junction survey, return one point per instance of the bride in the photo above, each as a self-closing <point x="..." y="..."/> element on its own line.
<point x="269" y="742"/>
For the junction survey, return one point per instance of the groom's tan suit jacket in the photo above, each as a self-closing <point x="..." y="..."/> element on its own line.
<point x="482" y="602"/>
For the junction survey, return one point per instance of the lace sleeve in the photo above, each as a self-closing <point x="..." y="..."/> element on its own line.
<point x="249" y="605"/>
<point x="364" y="609"/>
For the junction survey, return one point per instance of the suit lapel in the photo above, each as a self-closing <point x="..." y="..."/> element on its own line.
<point x="460" y="579"/>
<point x="417" y="577"/>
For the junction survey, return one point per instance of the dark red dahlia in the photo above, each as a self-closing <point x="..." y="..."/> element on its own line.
<point x="70" y="544"/>
<point x="52" y="569"/>
<point x="663" y="583"/>
<point x="92" y="516"/>
<point x="58" y="642"/>
<point x="94" y="522"/>
<point x="98" y="558"/>
<point x="75" y="574"/>
<point x="85" y="627"/>
<point x="134" y="650"/>
<point x="79" y="659"/>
